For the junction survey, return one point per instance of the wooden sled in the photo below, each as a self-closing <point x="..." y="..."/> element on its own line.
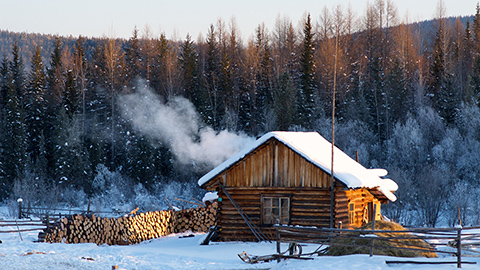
<point x="294" y="252"/>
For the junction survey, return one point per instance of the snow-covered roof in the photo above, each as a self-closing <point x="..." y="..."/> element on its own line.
<point x="210" y="196"/>
<point x="316" y="149"/>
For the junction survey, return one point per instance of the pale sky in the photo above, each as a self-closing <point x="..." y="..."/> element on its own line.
<point x="176" y="18"/>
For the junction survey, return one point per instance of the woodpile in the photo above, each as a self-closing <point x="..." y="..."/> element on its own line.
<point x="130" y="229"/>
<point x="195" y="220"/>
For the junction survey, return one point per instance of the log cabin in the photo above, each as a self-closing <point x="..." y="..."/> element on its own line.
<point x="285" y="178"/>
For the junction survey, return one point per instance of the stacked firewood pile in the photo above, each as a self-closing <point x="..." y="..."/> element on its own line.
<point x="130" y="229"/>
<point x="195" y="220"/>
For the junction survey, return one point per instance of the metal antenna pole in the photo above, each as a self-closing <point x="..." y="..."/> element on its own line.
<point x="332" y="184"/>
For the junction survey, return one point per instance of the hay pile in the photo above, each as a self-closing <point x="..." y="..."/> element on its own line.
<point x="344" y="245"/>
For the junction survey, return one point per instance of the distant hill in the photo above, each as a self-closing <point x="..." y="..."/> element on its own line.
<point x="28" y="41"/>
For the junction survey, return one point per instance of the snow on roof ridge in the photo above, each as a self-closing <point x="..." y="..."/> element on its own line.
<point x="316" y="149"/>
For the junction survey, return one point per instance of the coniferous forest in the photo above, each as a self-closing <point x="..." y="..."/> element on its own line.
<point x="106" y="118"/>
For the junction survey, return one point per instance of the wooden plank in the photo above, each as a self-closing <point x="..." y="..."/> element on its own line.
<point x="312" y="199"/>
<point x="238" y="174"/>
<point x="276" y="164"/>
<point x="252" y="196"/>
<point x="299" y="191"/>
<point x="311" y="223"/>
<point x="267" y="168"/>
<point x="310" y="208"/>
<point x="319" y="203"/>
<point x="232" y="220"/>
<point x="272" y="164"/>
<point x="242" y="171"/>
<point x="312" y="214"/>
<point x="297" y="181"/>
<point x="341" y="215"/>
<point x="254" y="169"/>
<point x="308" y="180"/>
<point x="248" y="210"/>
<point x="291" y="168"/>
<point x="244" y="203"/>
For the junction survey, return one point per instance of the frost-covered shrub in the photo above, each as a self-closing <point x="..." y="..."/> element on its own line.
<point x="34" y="189"/>
<point x="402" y="210"/>
<point x="112" y="190"/>
<point x="431" y="186"/>
<point x="145" y="200"/>
<point x="462" y="205"/>
<point x="179" y="190"/>
<point x="70" y="197"/>
<point x="354" y="136"/>
<point x="468" y="120"/>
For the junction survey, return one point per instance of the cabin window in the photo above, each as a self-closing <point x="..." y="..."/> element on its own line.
<point x="351" y="213"/>
<point x="275" y="210"/>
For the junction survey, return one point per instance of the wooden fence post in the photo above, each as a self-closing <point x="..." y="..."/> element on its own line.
<point x="20" y="200"/>
<point x="459" y="248"/>
<point x="48" y="222"/>
<point x="277" y="236"/>
<point x="373" y="229"/>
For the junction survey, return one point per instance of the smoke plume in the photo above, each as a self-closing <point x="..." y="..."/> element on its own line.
<point x="176" y="124"/>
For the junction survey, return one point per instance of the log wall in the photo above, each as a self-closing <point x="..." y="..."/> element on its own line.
<point x="131" y="229"/>
<point x="309" y="207"/>
<point x="361" y="198"/>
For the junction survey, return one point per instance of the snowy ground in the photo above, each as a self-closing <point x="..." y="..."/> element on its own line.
<point x="174" y="252"/>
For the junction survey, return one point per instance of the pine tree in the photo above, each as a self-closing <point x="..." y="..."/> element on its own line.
<point x="475" y="80"/>
<point x="147" y="163"/>
<point x="306" y="95"/>
<point x="189" y="65"/>
<point x="4" y="81"/>
<point x="476" y="31"/>
<point x="80" y="73"/>
<point x="133" y="59"/>
<point x="442" y="92"/>
<point x="114" y="68"/>
<point x="158" y="83"/>
<point x="56" y="77"/>
<point x="71" y="97"/>
<point x="148" y="54"/>
<point x="6" y="175"/>
<point x="214" y="108"/>
<point x="475" y="76"/>
<point x="35" y="106"/>
<point x="164" y="69"/>
<point x="71" y="164"/>
<point x="399" y="100"/>
<point x="284" y="102"/>
<point x="226" y="91"/>
<point x="264" y="97"/>
<point x="15" y="153"/>
<point x="54" y="92"/>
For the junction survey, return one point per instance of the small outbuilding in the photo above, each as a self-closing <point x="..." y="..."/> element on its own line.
<point x="285" y="178"/>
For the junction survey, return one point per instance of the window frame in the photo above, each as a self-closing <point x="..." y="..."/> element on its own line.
<point x="351" y="213"/>
<point x="281" y="209"/>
